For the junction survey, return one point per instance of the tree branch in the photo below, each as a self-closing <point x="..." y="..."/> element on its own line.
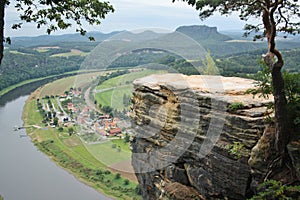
<point x="2" y="12"/>
<point x="279" y="63"/>
<point x="283" y="17"/>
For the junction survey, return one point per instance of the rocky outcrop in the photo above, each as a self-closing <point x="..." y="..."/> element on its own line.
<point x="193" y="136"/>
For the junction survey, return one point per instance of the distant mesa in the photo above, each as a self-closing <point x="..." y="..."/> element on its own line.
<point x="203" y="32"/>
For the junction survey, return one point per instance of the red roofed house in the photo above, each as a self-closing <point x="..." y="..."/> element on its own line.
<point x="115" y="131"/>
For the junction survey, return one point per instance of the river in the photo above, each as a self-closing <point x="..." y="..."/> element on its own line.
<point x="25" y="172"/>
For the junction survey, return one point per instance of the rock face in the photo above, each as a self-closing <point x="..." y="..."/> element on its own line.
<point x="193" y="136"/>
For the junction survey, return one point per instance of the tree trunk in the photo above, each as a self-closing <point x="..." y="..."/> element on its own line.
<point x="280" y="106"/>
<point x="275" y="65"/>
<point x="2" y="10"/>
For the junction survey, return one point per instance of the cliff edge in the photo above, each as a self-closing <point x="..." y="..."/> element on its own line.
<point x="194" y="135"/>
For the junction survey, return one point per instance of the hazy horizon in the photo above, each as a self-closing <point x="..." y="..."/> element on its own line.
<point x="129" y="15"/>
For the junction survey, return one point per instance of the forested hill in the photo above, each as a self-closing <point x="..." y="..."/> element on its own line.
<point x="35" y="57"/>
<point x="225" y="45"/>
<point x="24" y="64"/>
<point x="45" y="40"/>
<point x="209" y="37"/>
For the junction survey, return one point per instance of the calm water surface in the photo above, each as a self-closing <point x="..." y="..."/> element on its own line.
<point x="26" y="173"/>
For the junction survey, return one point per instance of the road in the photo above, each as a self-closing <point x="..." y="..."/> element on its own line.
<point x="105" y="89"/>
<point x="61" y="108"/>
<point x="88" y="101"/>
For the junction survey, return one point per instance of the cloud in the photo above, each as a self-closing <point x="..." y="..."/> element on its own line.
<point x="137" y="14"/>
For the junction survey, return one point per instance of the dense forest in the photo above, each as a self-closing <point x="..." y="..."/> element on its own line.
<point x="27" y="63"/>
<point x="239" y="64"/>
<point x="247" y="62"/>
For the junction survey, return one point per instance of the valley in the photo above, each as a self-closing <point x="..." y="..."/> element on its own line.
<point x="81" y="119"/>
<point x="81" y="138"/>
<point x="31" y="58"/>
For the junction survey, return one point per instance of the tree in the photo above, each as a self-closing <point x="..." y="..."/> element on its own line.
<point x="49" y="115"/>
<point x="55" y="121"/>
<point x="277" y="16"/>
<point x="117" y="176"/>
<point x="127" y="138"/>
<point x="55" y="14"/>
<point x="71" y="131"/>
<point x="126" y="182"/>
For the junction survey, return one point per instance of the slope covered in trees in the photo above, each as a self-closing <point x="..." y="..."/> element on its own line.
<point x="24" y="64"/>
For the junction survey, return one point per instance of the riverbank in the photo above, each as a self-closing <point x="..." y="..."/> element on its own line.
<point x="70" y="153"/>
<point x="71" y="73"/>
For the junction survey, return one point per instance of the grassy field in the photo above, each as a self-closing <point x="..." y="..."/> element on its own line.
<point x="117" y="150"/>
<point x="114" y="97"/>
<point x="126" y="78"/>
<point x="89" y="163"/>
<point x="73" y="52"/>
<point x="60" y="86"/>
<point x="20" y="53"/>
<point x="45" y="48"/>
<point x="119" y="86"/>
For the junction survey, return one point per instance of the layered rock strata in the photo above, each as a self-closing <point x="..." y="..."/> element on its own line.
<point x="193" y="136"/>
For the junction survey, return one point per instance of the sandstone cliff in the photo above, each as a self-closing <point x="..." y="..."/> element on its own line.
<point x="194" y="136"/>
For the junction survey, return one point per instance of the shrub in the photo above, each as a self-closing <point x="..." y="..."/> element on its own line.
<point x="138" y="190"/>
<point x="235" y="149"/>
<point x="117" y="176"/>
<point x="126" y="182"/>
<point x="98" y="172"/>
<point x="235" y="106"/>
<point x="271" y="189"/>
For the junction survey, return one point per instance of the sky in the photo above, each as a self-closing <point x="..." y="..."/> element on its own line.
<point x="137" y="14"/>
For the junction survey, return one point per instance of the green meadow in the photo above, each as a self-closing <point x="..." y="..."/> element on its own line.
<point x="114" y="89"/>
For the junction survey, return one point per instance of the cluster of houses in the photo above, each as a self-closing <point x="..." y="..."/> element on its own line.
<point x="103" y="125"/>
<point x="73" y="92"/>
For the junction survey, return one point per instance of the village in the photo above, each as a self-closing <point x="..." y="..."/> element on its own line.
<point x="69" y="111"/>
